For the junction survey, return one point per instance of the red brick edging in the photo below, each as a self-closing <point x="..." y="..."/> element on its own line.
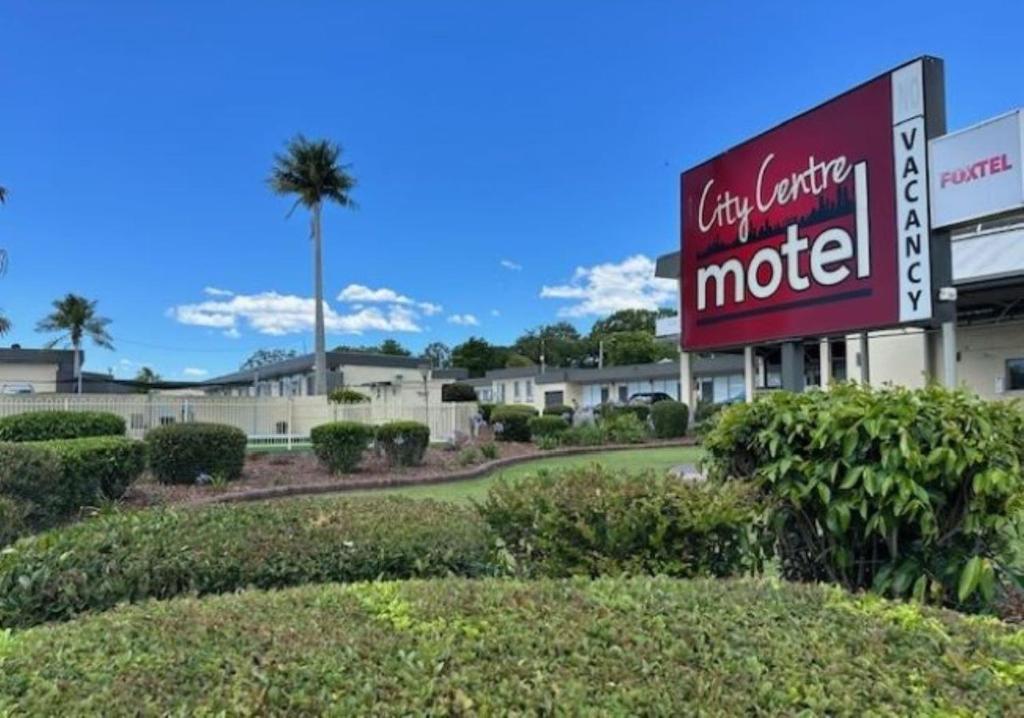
<point x="280" y="492"/>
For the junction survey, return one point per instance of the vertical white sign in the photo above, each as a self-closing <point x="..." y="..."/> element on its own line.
<point x="910" y="154"/>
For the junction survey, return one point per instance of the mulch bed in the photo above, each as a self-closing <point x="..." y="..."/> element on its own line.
<point x="273" y="475"/>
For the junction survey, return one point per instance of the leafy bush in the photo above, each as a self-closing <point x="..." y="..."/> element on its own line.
<point x="670" y="419"/>
<point x="547" y="442"/>
<point x="614" y="647"/>
<point x="404" y="442"/>
<point x="485" y="411"/>
<point x="559" y="410"/>
<point x="120" y="557"/>
<point x="489" y="450"/>
<point x="458" y="392"/>
<point x="31" y="476"/>
<point x="340" y="444"/>
<point x="591" y="521"/>
<point x="511" y="422"/>
<point x="584" y="435"/>
<point x="906" y="492"/>
<point x="613" y="411"/>
<point x="706" y="411"/>
<point x="468" y="456"/>
<point x="46" y="425"/>
<point x="342" y="395"/>
<point x="547" y="426"/>
<point x="100" y="466"/>
<point x="624" y="429"/>
<point x="13" y="519"/>
<point x="178" y="453"/>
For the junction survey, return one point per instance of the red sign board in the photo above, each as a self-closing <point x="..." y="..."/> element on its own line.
<point x="815" y="228"/>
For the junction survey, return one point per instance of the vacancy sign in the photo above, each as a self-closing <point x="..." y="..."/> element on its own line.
<point x="817" y="227"/>
<point x="977" y="172"/>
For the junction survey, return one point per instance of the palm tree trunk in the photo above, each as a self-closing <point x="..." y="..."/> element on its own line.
<point x="320" y="362"/>
<point x="77" y="368"/>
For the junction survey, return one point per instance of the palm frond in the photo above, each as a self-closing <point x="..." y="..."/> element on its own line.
<point x="5" y="324"/>
<point x="75" y="317"/>
<point x="3" y="195"/>
<point x="310" y="170"/>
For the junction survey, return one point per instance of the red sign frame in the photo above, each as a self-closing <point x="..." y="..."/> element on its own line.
<point x="817" y="227"/>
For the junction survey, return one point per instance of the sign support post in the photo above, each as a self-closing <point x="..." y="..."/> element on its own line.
<point x="825" y="358"/>
<point x="865" y="362"/>
<point x="748" y="373"/>
<point x="793" y="366"/>
<point x="686" y="380"/>
<point x="949" y="354"/>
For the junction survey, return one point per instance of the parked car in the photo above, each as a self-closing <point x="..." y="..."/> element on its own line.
<point x="649" y="397"/>
<point x="15" y="388"/>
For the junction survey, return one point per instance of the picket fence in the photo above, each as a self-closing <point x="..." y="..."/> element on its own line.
<point x="267" y="420"/>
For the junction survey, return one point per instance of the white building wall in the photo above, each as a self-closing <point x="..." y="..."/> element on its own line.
<point x="42" y="377"/>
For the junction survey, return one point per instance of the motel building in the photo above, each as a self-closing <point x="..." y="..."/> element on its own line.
<point x="883" y="250"/>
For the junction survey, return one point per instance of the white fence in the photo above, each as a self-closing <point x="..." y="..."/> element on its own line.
<point x="266" y="420"/>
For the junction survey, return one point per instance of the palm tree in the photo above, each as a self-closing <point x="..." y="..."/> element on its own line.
<point x="309" y="170"/>
<point x="5" y="323"/>
<point x="75" y="317"/>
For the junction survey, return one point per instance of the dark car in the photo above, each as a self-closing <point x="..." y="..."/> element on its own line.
<point x="649" y="397"/>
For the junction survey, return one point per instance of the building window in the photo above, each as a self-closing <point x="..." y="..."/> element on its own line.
<point x="554" y="398"/>
<point x="604" y="395"/>
<point x="515" y="390"/>
<point x="138" y="422"/>
<point x="529" y="390"/>
<point x="1015" y="374"/>
<point x="623" y="393"/>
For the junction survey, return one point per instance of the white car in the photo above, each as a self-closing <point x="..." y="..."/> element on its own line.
<point x="14" y="388"/>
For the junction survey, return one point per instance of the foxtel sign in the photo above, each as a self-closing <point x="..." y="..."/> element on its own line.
<point x="815" y="228"/>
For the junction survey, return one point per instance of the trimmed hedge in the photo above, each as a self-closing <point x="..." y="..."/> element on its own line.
<point x="591" y="521"/>
<point x="613" y="411"/>
<point x="160" y="553"/>
<point x="513" y="420"/>
<point x="13" y="519"/>
<point x="31" y="476"/>
<point x="559" y="410"/>
<point x="485" y="411"/>
<point x="47" y="425"/>
<point x="457" y="392"/>
<point x="670" y="419"/>
<point x="404" y="443"/>
<point x="909" y="493"/>
<point x="178" y="453"/>
<point x="653" y="647"/>
<point x="347" y="396"/>
<point x="547" y="426"/>
<point x="340" y="445"/>
<point x="101" y="466"/>
<point x="624" y="428"/>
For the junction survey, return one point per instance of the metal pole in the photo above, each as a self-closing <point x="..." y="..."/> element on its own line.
<point x="865" y="360"/>
<point x="825" y="358"/>
<point x="686" y="380"/>
<point x="949" y="354"/>
<point x="748" y="373"/>
<point x="793" y="366"/>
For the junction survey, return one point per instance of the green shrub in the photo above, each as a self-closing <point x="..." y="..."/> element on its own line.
<point x="160" y="553"/>
<point x="468" y="456"/>
<point x="404" y="442"/>
<point x="46" y="425"/>
<point x="347" y="396"/>
<point x="340" y="444"/>
<point x="583" y="435"/>
<point x="591" y="521"/>
<point x="706" y="411"/>
<point x="613" y="411"/>
<point x="561" y="410"/>
<point x="547" y="442"/>
<point x="102" y="466"/>
<point x="489" y="450"/>
<point x="511" y="422"/>
<point x="547" y="426"/>
<point x="31" y="475"/>
<point x="906" y="492"/>
<point x="178" y="453"/>
<point x="611" y="647"/>
<point x="13" y="519"/>
<point x="485" y="411"/>
<point x="624" y="428"/>
<point x="458" y="392"/>
<point x="669" y="419"/>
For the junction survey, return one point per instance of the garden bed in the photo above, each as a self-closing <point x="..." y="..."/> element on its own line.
<point x="275" y="475"/>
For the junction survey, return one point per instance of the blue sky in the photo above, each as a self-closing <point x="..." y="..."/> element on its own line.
<point x="501" y="148"/>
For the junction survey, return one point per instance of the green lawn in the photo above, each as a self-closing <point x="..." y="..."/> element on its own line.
<point x="660" y="459"/>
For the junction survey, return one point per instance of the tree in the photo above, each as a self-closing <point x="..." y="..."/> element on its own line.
<point x="438" y="354"/>
<point x="560" y="343"/>
<point x="309" y="170"/>
<point x="393" y="348"/>
<point x="629" y="320"/>
<point x="75" y="318"/>
<point x="478" y="356"/>
<point x="263" y="357"/>
<point x="145" y="375"/>
<point x="518" y="360"/>
<point x="638" y="347"/>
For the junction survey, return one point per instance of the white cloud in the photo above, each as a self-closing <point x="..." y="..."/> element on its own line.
<point x="215" y="292"/>
<point x="465" y="320"/>
<point x="510" y="265"/>
<point x="192" y="371"/>
<point x="606" y="288"/>
<point x="361" y="294"/>
<point x="233" y="333"/>
<point x="278" y="314"/>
